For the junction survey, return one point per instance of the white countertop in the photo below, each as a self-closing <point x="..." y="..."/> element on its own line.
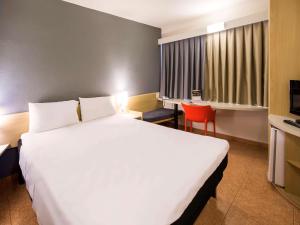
<point x="219" y="105"/>
<point x="277" y="121"/>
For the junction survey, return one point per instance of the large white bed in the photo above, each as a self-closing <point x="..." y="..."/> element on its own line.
<point x="116" y="170"/>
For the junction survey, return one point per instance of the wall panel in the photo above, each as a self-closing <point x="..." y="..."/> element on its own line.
<point x="52" y="50"/>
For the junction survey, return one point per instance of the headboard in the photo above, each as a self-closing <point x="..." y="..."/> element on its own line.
<point x="144" y="103"/>
<point x="12" y="126"/>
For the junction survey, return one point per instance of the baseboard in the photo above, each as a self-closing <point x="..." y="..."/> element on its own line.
<point x="229" y="138"/>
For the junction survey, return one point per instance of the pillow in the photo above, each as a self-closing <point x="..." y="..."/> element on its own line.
<point x="52" y="115"/>
<point x="93" y="108"/>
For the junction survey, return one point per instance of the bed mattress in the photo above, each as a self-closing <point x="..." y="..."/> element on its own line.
<point x="116" y="170"/>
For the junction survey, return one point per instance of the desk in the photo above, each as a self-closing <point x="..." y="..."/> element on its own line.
<point x="292" y="158"/>
<point x="277" y="121"/>
<point x="214" y="105"/>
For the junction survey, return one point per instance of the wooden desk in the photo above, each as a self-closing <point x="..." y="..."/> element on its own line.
<point x="214" y="105"/>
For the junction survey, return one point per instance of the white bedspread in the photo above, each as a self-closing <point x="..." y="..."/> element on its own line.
<point x="116" y="171"/>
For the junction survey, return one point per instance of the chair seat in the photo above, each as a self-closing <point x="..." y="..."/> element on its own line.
<point x="158" y="114"/>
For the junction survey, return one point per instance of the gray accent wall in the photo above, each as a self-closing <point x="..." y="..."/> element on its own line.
<point x="52" y="50"/>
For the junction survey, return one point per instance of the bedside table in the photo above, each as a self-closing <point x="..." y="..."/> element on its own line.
<point x="3" y="148"/>
<point x="9" y="160"/>
<point x="133" y="114"/>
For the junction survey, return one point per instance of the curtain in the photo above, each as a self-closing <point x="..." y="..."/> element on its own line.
<point x="182" y="67"/>
<point x="236" y="65"/>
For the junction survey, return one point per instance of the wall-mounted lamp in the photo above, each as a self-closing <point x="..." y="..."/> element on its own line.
<point x="122" y="100"/>
<point x="216" y="27"/>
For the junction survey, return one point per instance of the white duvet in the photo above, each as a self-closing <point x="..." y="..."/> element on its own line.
<point x="116" y="171"/>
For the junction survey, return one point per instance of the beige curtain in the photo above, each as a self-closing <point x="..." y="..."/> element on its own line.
<point x="236" y="68"/>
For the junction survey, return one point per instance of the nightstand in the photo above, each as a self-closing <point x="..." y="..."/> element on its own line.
<point x="9" y="160"/>
<point x="133" y="114"/>
<point x="3" y="148"/>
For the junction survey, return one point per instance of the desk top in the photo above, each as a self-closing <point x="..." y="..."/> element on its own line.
<point x="219" y="105"/>
<point x="277" y="121"/>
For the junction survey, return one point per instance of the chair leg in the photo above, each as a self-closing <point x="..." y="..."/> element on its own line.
<point x="191" y="127"/>
<point x="214" y="128"/>
<point x="205" y="129"/>
<point x="185" y="123"/>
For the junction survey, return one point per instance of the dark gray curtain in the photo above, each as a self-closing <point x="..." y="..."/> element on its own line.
<point x="182" y="67"/>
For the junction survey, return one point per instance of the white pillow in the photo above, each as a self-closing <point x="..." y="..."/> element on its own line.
<point x="52" y="115"/>
<point x="93" y="108"/>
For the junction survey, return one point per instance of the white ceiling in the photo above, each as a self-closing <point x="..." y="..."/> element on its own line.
<point x="162" y="13"/>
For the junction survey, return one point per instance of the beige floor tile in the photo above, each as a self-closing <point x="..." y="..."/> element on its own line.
<point x="237" y="216"/>
<point x="24" y="221"/>
<point x="33" y="221"/>
<point x="255" y="201"/>
<point x="6" y="185"/>
<point x="4" y="205"/>
<point x="20" y="206"/>
<point x="234" y="177"/>
<point x="262" y="202"/>
<point x="4" y="213"/>
<point x="296" y="216"/>
<point x="213" y="213"/>
<point x="228" y="190"/>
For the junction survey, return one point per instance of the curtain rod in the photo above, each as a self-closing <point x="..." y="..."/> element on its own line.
<point x="255" y="18"/>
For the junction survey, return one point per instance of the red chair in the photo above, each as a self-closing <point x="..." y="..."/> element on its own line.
<point x="200" y="114"/>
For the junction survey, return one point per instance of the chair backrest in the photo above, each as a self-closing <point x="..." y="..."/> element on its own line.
<point x="198" y="113"/>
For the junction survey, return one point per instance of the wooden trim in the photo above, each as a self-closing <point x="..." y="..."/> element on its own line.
<point x="293" y="199"/>
<point x="294" y="163"/>
<point x="167" y="120"/>
<point x="144" y="102"/>
<point x="162" y="121"/>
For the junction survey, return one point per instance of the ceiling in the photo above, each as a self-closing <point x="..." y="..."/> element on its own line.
<point x="161" y="13"/>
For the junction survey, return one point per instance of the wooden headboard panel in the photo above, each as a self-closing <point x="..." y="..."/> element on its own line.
<point x="12" y="126"/>
<point x="144" y="103"/>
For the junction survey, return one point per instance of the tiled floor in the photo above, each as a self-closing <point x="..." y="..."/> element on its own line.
<point x="244" y="196"/>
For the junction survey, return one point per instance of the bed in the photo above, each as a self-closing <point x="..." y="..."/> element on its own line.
<point x="116" y="170"/>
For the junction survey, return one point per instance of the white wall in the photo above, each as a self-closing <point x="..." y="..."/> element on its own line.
<point x="250" y="125"/>
<point x="242" y="14"/>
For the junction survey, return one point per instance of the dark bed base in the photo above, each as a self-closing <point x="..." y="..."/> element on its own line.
<point x="21" y="179"/>
<point x="208" y="190"/>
